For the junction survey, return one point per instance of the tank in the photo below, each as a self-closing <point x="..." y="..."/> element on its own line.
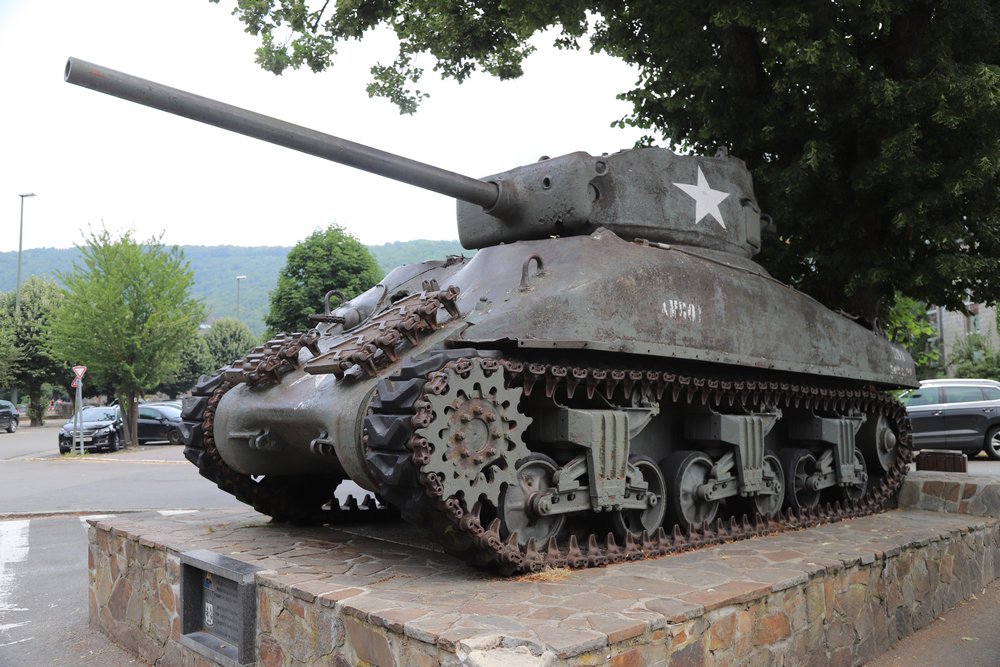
<point x="611" y="376"/>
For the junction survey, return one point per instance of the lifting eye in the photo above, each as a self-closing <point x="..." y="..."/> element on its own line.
<point x="546" y="183"/>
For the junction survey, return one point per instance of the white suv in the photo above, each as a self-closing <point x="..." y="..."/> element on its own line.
<point x="956" y="414"/>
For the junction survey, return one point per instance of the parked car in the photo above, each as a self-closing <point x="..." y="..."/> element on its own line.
<point x="101" y="428"/>
<point x="956" y="414"/>
<point x="159" y="422"/>
<point x="9" y="417"/>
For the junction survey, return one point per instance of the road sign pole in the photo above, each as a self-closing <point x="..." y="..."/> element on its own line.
<point x="77" y="432"/>
<point x="78" y="372"/>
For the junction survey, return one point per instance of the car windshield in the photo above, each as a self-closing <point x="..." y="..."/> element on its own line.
<point x="98" y="414"/>
<point x="169" y="411"/>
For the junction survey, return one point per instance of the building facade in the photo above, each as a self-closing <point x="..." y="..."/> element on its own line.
<point x="952" y="326"/>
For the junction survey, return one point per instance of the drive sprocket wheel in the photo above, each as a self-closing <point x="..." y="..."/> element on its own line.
<point x="476" y="433"/>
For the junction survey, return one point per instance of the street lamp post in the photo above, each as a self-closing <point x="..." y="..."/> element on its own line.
<point x="238" y="279"/>
<point x="20" y="239"/>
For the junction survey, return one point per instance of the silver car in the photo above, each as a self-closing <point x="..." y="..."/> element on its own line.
<point x="956" y="414"/>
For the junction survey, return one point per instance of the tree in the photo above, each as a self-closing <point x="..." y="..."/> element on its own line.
<point x="907" y="324"/>
<point x="34" y="362"/>
<point x="128" y="313"/>
<point x="194" y="360"/>
<point x="228" y="340"/>
<point x="329" y="259"/>
<point x="9" y="355"/>
<point x="972" y="357"/>
<point x="872" y="130"/>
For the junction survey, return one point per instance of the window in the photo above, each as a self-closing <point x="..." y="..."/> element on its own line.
<point x="991" y="393"/>
<point x="963" y="394"/>
<point x="925" y="396"/>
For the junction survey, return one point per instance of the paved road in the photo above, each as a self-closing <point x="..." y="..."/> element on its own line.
<point x="45" y="499"/>
<point x="43" y="597"/>
<point x="43" y="539"/>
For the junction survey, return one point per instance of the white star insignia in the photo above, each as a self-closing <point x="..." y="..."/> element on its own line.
<point x="706" y="200"/>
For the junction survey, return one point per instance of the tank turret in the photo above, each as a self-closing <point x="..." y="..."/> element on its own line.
<point x="648" y="193"/>
<point x="611" y="376"/>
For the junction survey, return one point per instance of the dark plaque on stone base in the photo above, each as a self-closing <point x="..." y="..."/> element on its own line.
<point x="218" y="607"/>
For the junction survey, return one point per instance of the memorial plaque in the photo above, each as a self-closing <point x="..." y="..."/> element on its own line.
<point x="218" y="607"/>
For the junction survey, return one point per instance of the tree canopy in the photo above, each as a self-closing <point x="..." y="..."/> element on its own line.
<point x="194" y="360"/>
<point x="329" y="259"/>
<point x="872" y="129"/>
<point x="34" y="362"/>
<point x="228" y="340"/>
<point x="128" y="312"/>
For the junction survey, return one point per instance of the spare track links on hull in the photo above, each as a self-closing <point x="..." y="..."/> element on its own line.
<point x="360" y="353"/>
<point x="404" y="410"/>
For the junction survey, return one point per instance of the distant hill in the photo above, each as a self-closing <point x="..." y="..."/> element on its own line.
<point x="216" y="268"/>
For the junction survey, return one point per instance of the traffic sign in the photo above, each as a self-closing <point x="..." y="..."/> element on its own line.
<point x="79" y="370"/>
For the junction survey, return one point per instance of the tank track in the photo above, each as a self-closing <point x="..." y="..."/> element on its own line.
<point x="402" y="407"/>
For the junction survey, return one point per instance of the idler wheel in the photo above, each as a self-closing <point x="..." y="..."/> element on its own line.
<point x="649" y="519"/>
<point x="879" y="443"/>
<point x="688" y="473"/>
<point x="765" y="504"/>
<point x="799" y="465"/>
<point x="517" y="502"/>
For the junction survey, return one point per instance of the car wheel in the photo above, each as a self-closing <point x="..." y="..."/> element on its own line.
<point x="12" y="426"/>
<point x="113" y="443"/>
<point x="174" y="437"/>
<point x="63" y="452"/>
<point x="992" y="443"/>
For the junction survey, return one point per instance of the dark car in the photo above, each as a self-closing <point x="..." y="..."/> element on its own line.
<point x="956" y="414"/>
<point x="101" y="428"/>
<point x="159" y="422"/>
<point x="9" y="417"/>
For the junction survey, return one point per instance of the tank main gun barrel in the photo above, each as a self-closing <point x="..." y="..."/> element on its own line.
<point x="289" y="135"/>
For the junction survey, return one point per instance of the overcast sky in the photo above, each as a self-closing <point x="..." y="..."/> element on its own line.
<point x="95" y="160"/>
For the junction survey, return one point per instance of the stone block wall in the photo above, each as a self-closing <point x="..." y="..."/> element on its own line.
<point x="975" y="495"/>
<point x="838" y="594"/>
<point x="135" y="594"/>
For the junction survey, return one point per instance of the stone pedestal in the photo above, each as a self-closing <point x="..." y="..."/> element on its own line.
<point x="834" y="595"/>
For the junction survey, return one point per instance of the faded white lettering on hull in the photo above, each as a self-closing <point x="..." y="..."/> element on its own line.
<point x="682" y="310"/>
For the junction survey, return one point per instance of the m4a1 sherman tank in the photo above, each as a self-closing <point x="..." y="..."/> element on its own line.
<point x="610" y="377"/>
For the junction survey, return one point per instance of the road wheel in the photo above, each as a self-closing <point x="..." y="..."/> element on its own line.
<point x="992" y="443"/>
<point x="113" y="442"/>
<point x="12" y="426"/>
<point x="649" y="519"/>
<point x="174" y="437"/>
<point x="688" y="472"/>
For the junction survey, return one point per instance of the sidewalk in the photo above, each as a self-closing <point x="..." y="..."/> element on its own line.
<point x="966" y="636"/>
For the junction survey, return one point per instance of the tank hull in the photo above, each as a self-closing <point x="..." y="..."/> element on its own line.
<point x="600" y="292"/>
<point x="579" y="298"/>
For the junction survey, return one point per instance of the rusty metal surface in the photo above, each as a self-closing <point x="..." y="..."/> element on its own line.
<point x="488" y="543"/>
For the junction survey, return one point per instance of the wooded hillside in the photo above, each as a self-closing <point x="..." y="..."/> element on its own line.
<point x="216" y="267"/>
